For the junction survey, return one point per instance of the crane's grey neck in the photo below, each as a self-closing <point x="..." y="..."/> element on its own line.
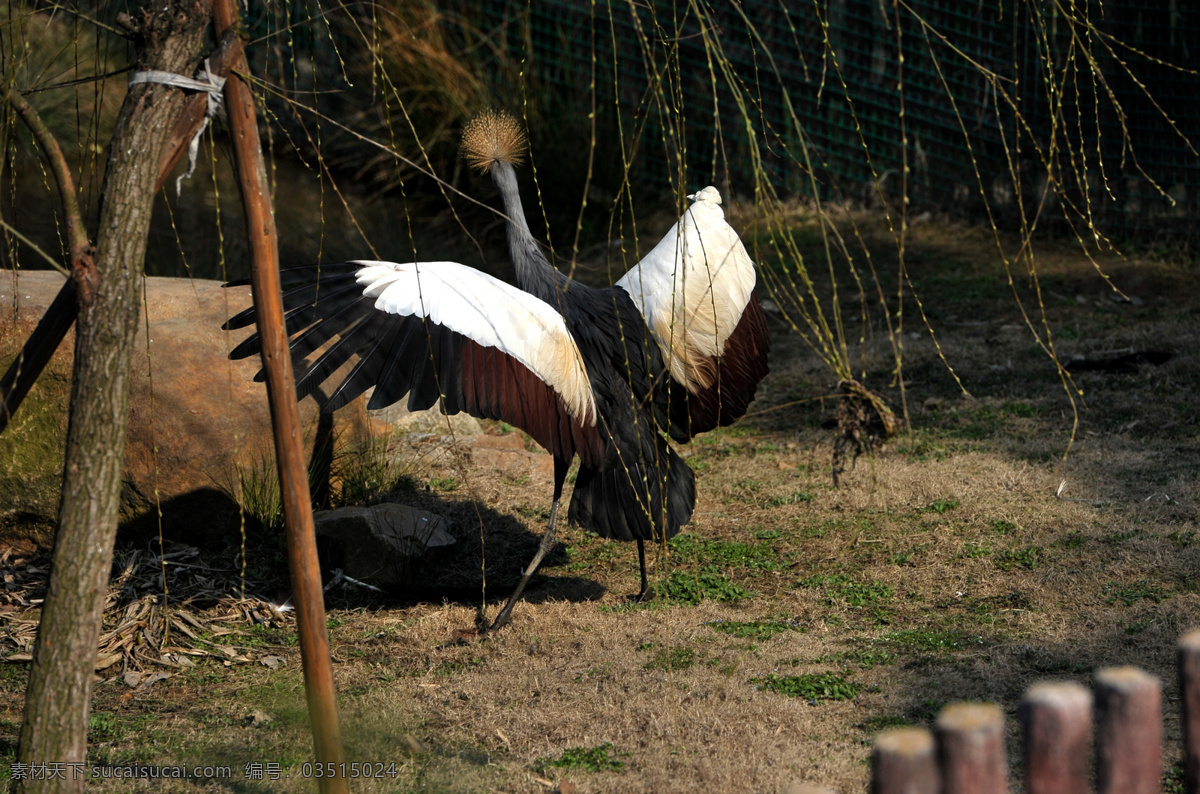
<point x="535" y="275"/>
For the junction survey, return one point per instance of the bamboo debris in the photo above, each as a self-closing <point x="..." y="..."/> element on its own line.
<point x="202" y="615"/>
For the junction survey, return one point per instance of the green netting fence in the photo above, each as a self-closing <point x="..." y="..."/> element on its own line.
<point x="1080" y="113"/>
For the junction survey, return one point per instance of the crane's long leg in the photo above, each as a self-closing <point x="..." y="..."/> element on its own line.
<point x="560" y="476"/>
<point x="645" y="591"/>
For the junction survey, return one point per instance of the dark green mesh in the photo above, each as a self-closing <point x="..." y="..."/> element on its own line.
<point x="1035" y="51"/>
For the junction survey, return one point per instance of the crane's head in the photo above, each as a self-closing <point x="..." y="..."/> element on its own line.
<point x="493" y="136"/>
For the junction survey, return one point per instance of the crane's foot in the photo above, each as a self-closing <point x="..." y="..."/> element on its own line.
<point x="502" y="620"/>
<point x="505" y="616"/>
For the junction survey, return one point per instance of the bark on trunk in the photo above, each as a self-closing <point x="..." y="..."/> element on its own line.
<point x="54" y="729"/>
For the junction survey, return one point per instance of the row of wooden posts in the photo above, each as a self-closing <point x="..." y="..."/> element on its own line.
<point x="1061" y="723"/>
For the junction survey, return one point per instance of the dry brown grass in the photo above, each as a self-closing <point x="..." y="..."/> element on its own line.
<point x="944" y="568"/>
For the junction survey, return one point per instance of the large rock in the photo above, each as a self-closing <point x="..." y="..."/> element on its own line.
<point x="196" y="418"/>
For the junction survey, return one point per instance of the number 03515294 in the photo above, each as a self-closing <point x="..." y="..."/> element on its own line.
<point x="352" y="769"/>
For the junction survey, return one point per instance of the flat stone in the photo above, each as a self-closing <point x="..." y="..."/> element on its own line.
<point x="381" y="544"/>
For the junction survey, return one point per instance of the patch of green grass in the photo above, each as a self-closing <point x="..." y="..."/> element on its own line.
<point x="1117" y="538"/>
<point x="1020" y="409"/>
<point x="941" y="506"/>
<point x="862" y="658"/>
<point x="965" y="424"/>
<point x="105" y="727"/>
<point x="457" y="666"/>
<point x="263" y="635"/>
<point x="1130" y="594"/>
<point x="757" y="630"/>
<point x="1073" y="540"/>
<point x="368" y="475"/>
<point x="540" y="512"/>
<point x="680" y="657"/>
<point x="796" y="498"/>
<point x="593" y="759"/>
<point x="813" y="687"/>
<point x="930" y="640"/>
<point x="841" y="589"/>
<point x="1029" y="558"/>
<point x="882" y="722"/>
<point x="919" y="447"/>
<point x="258" y="495"/>
<point x="1002" y="527"/>
<point x="759" y="556"/>
<point x="690" y="588"/>
<point x="1174" y="780"/>
<point x="972" y="551"/>
<point x="444" y="483"/>
<point x="1183" y="539"/>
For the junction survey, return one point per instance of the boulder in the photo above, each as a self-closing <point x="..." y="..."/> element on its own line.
<point x="196" y="419"/>
<point x="380" y="544"/>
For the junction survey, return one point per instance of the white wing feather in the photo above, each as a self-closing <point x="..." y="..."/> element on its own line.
<point x="692" y="288"/>
<point x="490" y="312"/>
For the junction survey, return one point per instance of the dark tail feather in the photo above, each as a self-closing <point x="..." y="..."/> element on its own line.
<point x="627" y="503"/>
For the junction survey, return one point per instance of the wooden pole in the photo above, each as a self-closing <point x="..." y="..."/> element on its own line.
<point x="1128" y="731"/>
<point x="971" y="749"/>
<point x="285" y="416"/>
<point x="1188" y="661"/>
<point x="904" y="761"/>
<point x="1056" y="719"/>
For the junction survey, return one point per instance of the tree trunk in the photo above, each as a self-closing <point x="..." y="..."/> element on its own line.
<point x="60" y="683"/>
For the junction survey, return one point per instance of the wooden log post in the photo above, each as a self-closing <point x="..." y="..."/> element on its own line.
<point x="1128" y="731"/>
<point x="971" y="749"/>
<point x="308" y="594"/>
<point x="904" y="761"/>
<point x="1056" y="720"/>
<point x="169" y="37"/>
<point x="1188" y="661"/>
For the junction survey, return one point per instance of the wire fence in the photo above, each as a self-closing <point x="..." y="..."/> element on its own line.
<point x="1079" y="114"/>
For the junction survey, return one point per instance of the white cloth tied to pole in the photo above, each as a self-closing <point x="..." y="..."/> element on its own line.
<point x="204" y="81"/>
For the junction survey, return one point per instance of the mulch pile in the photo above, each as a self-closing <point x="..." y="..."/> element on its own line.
<point x="162" y="612"/>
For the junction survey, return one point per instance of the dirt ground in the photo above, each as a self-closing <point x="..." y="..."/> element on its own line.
<point x="966" y="560"/>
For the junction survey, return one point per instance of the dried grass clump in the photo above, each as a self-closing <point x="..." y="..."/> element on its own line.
<point x="864" y="422"/>
<point x="204" y="616"/>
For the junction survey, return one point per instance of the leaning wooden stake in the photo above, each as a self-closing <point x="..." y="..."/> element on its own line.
<point x="47" y="337"/>
<point x="53" y="327"/>
<point x="971" y="742"/>
<point x="1128" y="731"/>
<point x="285" y="415"/>
<point x="1056" y="718"/>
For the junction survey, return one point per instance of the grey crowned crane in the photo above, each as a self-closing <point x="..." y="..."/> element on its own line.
<point x="676" y="347"/>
